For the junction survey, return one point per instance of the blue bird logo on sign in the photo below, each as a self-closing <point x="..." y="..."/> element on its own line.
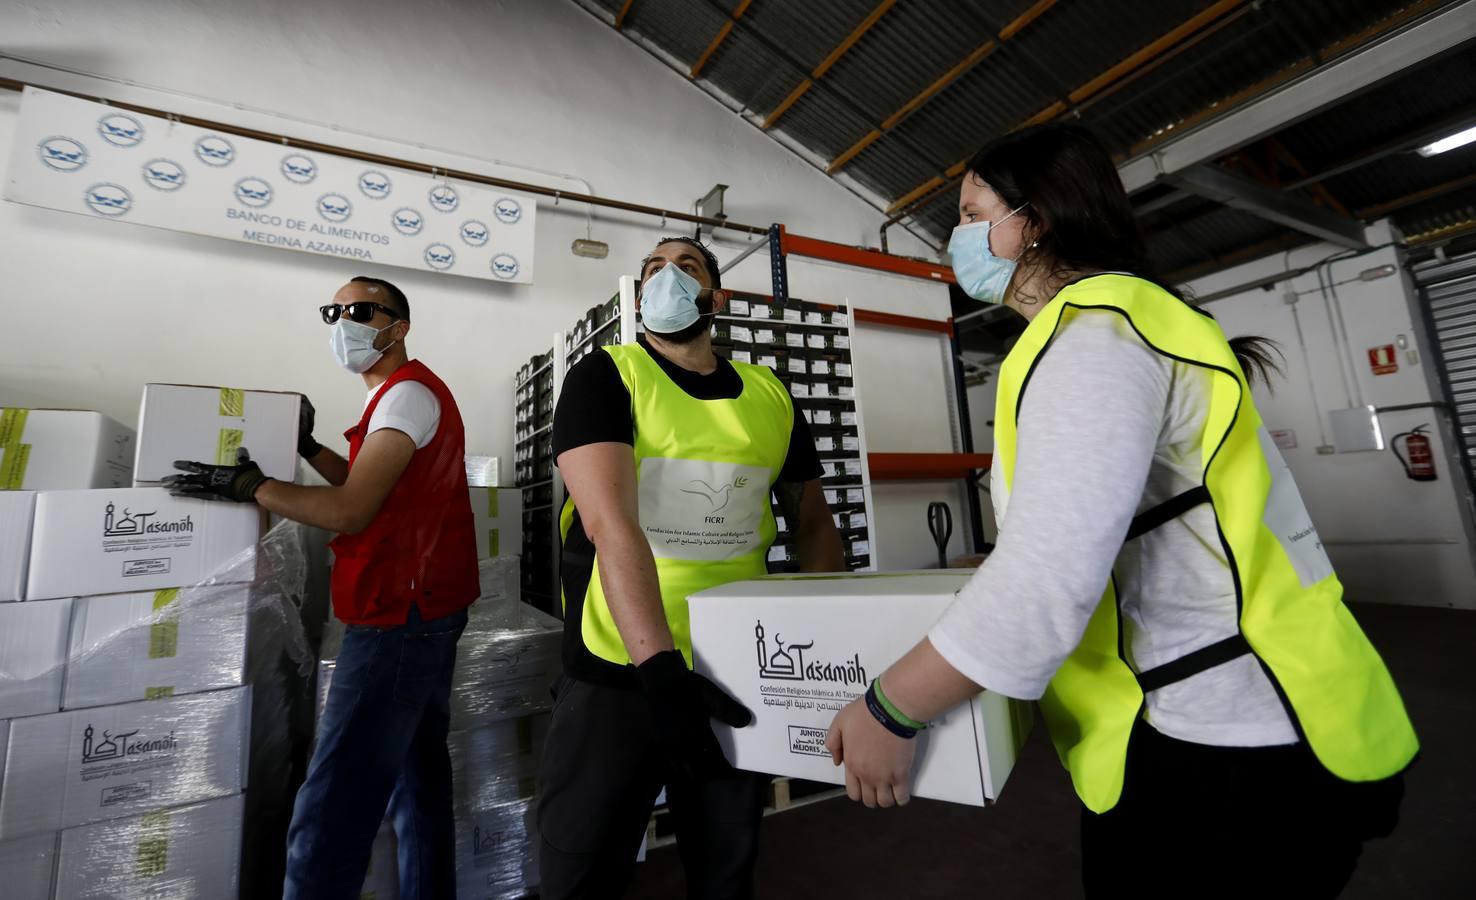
<point x="62" y="154"/>
<point x="299" y="169"/>
<point x="444" y="198"/>
<point x="120" y="130"/>
<point x="374" y="185"/>
<point x="164" y="174"/>
<point x="335" y="207"/>
<point x="407" y="221"/>
<point x="474" y="233"/>
<point x="253" y="192"/>
<point x="508" y="211"/>
<point x="108" y="199"/>
<point x="505" y="266"/>
<point x="214" y="150"/>
<point x="440" y="257"/>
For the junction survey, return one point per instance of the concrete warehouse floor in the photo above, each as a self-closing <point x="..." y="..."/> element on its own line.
<point x="1026" y="847"/>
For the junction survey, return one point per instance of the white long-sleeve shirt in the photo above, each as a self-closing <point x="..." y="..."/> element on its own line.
<point x="1108" y="429"/>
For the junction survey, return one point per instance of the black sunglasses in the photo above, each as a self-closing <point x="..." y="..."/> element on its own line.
<point x="361" y="312"/>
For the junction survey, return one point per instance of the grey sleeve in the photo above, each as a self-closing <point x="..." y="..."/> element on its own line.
<point x="1088" y="427"/>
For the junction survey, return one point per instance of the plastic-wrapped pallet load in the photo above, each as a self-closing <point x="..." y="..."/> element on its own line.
<point x="507" y="660"/>
<point x="188" y="851"/>
<point x="32" y="654"/>
<point x="27" y="864"/>
<point x="16" y="511"/>
<point x="499" y="763"/>
<point x="497" y="851"/>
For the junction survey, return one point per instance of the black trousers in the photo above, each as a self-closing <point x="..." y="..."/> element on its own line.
<point x="1204" y="822"/>
<point x="600" y="776"/>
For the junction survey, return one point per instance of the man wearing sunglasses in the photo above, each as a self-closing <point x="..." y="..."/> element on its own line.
<point x="405" y="570"/>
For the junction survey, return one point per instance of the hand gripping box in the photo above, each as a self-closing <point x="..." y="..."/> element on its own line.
<point x="795" y="650"/>
<point x="16" y="511"/>
<point x="63" y="449"/>
<point x="187" y="851"/>
<point x="126" y="647"/>
<point x="134" y="539"/>
<point x="33" y="656"/>
<point x="27" y="865"/>
<point x="208" y="424"/>
<point x="89" y="765"/>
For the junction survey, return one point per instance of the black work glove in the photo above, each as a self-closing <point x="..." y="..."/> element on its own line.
<point x="682" y="703"/>
<point x="207" y="482"/>
<point x="307" y="448"/>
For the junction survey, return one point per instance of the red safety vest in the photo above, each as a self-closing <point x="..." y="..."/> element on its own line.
<point x="421" y="548"/>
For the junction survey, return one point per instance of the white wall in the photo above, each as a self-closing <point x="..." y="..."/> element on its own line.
<point x="94" y="309"/>
<point x="1392" y="540"/>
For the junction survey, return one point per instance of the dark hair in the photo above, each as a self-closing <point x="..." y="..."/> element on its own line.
<point x="401" y="302"/>
<point x="708" y="259"/>
<point x="1081" y="216"/>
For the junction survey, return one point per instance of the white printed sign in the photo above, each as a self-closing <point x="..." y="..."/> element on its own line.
<point x="88" y="158"/>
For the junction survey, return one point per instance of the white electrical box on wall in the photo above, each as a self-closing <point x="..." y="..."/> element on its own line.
<point x="1356" y="429"/>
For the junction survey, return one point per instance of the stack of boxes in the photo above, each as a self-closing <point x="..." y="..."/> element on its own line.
<point x="125" y="715"/>
<point x="506" y="662"/>
<point x="600" y="327"/>
<point x="808" y="345"/>
<point x="533" y="473"/>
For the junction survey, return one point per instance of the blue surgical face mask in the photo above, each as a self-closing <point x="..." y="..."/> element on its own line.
<point x="980" y="273"/>
<point x="669" y="300"/>
<point x="353" y="345"/>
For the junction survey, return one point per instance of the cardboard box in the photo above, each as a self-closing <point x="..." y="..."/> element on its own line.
<point x="17" y="509"/>
<point x="497" y="851"/>
<point x="207" y="424"/>
<point x="189" y="851"/>
<point x="83" y="766"/>
<point x="127" y="647"/>
<point x="135" y="539"/>
<point x="27" y="866"/>
<point x="33" y="653"/>
<point x="795" y="650"/>
<point x="499" y="520"/>
<point x="382" y="881"/>
<point x="63" y="449"/>
<point x="499" y="580"/>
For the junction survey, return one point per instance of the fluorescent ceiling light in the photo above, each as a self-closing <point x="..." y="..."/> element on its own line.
<point x="1450" y="142"/>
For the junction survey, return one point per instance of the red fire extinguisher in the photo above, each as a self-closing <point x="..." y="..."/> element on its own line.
<point x="1418" y="461"/>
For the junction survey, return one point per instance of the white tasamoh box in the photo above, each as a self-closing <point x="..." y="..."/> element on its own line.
<point x="26" y="867"/>
<point x="126" y="647"/>
<point x="32" y="656"/>
<point x="188" y="851"/>
<point x="134" y="539"/>
<point x="88" y="765"/>
<point x="795" y="650"/>
<point x="498" y="513"/>
<point x="16" y="511"/>
<point x="208" y="424"/>
<point x="63" y="449"/>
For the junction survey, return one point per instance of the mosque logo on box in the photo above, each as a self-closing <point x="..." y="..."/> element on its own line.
<point x="787" y="662"/>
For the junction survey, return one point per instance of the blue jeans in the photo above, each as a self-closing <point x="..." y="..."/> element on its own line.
<point x="381" y="747"/>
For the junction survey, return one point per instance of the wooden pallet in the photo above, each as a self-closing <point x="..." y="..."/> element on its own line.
<point x="784" y="794"/>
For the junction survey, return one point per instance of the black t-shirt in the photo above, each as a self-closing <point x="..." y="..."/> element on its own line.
<point x="594" y="407"/>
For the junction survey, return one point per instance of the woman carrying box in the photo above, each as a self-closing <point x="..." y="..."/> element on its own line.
<point x="1158" y="584"/>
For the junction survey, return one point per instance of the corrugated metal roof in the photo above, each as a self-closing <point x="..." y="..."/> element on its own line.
<point x="1234" y="55"/>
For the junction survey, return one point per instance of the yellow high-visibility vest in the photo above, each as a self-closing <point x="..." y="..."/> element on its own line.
<point x="705" y="469"/>
<point x="1336" y="688"/>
